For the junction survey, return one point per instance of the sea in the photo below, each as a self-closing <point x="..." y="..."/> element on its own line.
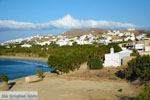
<point x="18" y="68"/>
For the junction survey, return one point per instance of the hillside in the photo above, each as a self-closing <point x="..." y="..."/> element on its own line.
<point x="96" y="32"/>
<point x="79" y="32"/>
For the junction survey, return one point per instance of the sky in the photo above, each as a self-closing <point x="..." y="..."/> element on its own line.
<point x="23" y="18"/>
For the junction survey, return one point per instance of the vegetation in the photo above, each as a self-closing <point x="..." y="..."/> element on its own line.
<point x="115" y="46"/>
<point x="39" y="73"/>
<point x="94" y="63"/>
<point x="69" y="58"/>
<point x="34" y="51"/>
<point x="144" y="93"/>
<point x="138" y="68"/>
<point x="41" y="51"/>
<point x="135" y="53"/>
<point x="3" y="78"/>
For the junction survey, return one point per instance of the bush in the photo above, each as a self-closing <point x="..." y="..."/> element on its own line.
<point x="144" y="93"/>
<point x="135" y="53"/>
<point x="42" y="54"/>
<point x="3" y="78"/>
<point x="39" y="73"/>
<point x="68" y="58"/>
<point x="138" y="67"/>
<point x="95" y="64"/>
<point x="115" y="46"/>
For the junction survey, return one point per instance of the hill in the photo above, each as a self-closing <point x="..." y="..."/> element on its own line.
<point x="97" y="32"/>
<point x="79" y="32"/>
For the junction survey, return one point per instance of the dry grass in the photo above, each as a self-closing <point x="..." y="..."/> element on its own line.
<point x="81" y="85"/>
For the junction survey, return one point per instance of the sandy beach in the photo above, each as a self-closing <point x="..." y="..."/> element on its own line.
<point x="25" y="57"/>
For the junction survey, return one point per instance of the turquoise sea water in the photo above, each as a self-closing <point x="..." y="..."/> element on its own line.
<point x="16" y="68"/>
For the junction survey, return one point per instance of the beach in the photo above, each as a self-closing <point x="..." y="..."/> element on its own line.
<point x="25" y="57"/>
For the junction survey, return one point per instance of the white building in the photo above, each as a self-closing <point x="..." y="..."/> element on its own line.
<point x="44" y="43"/>
<point x="139" y="47"/>
<point x="147" y="48"/>
<point x="115" y="59"/>
<point x="64" y="41"/>
<point x="26" y="45"/>
<point x="140" y="37"/>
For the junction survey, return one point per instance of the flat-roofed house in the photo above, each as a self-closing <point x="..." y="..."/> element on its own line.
<point x="115" y="59"/>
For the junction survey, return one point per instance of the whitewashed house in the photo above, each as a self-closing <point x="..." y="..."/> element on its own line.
<point x="147" y="48"/>
<point x="140" y="47"/>
<point x="85" y="39"/>
<point x="64" y="41"/>
<point x="26" y="45"/>
<point x="140" y="37"/>
<point x="105" y="39"/>
<point x="115" y="59"/>
<point x="44" y="43"/>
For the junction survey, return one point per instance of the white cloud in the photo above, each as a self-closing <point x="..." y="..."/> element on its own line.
<point x="14" y="25"/>
<point x="10" y="24"/>
<point x="67" y="22"/>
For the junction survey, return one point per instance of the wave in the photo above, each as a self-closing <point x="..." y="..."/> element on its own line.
<point x="32" y="63"/>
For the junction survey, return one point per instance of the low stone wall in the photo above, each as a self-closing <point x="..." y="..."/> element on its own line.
<point x="30" y="79"/>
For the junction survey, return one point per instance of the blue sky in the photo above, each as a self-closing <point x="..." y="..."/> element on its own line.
<point x="21" y="18"/>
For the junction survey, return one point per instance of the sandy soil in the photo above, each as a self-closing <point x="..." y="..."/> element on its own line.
<point x="74" y="88"/>
<point x="25" y="57"/>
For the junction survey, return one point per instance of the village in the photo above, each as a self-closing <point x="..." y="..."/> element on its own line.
<point x="111" y="36"/>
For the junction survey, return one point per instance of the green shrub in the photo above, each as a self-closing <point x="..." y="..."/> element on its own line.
<point x="3" y="78"/>
<point x="135" y="53"/>
<point x="95" y="64"/>
<point x="39" y="73"/>
<point x="42" y="54"/>
<point x="68" y="58"/>
<point x="144" y="93"/>
<point x="116" y="47"/>
<point x="138" y="67"/>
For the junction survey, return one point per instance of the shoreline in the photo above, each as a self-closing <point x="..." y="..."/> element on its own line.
<point x="25" y="58"/>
